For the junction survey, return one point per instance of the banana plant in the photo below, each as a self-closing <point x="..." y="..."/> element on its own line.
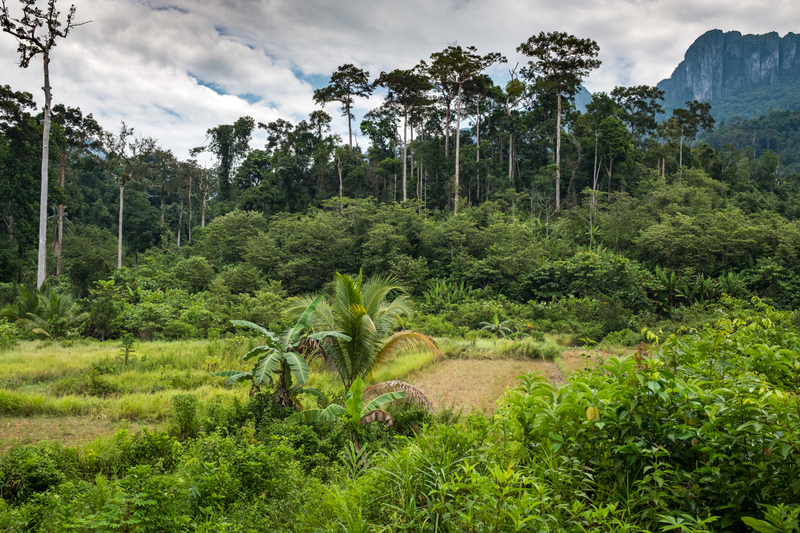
<point x="353" y="410"/>
<point x="281" y="356"/>
<point x="495" y="327"/>
<point x="667" y="286"/>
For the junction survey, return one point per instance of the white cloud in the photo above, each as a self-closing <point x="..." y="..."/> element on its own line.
<point x="141" y="61"/>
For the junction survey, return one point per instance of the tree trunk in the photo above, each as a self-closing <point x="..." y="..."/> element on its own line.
<point x="405" y="149"/>
<point x="203" y="210"/>
<point x="478" y="152"/>
<point x="119" y="234"/>
<point x="180" y="224"/>
<point x="447" y="131"/>
<point x="163" y="205"/>
<point x="595" y="172"/>
<point x="680" y="162"/>
<point x="349" y="126"/>
<point x="341" y="183"/>
<point x="511" y="159"/>
<point x="40" y="267"/>
<point x="189" y="229"/>
<point x="609" y="169"/>
<point x="59" y="240"/>
<point x="458" y="145"/>
<point x="558" y="153"/>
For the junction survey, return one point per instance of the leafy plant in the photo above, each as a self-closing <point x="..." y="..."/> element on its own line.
<point x="126" y="350"/>
<point x="360" y="311"/>
<point x="497" y="328"/>
<point x="354" y="409"/>
<point x="280" y="356"/>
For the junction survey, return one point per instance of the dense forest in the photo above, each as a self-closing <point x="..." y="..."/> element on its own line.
<point x="637" y="212"/>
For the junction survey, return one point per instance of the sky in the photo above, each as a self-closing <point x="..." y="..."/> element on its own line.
<point x="174" y="68"/>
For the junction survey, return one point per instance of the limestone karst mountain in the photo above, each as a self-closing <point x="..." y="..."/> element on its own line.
<point x="740" y="75"/>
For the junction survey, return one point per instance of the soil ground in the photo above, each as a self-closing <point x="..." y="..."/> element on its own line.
<point x="477" y="384"/>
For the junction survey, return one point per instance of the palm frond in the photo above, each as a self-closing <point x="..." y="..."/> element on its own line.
<point x="377" y="415"/>
<point x="381" y="400"/>
<point x="413" y="394"/>
<point x="376" y="290"/>
<point x="302" y="322"/>
<point x="405" y="340"/>
<point x="322" y="316"/>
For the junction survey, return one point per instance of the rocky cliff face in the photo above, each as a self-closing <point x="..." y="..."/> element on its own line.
<point x="719" y="65"/>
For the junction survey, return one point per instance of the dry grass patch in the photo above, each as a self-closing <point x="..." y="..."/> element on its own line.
<point x="476" y="384"/>
<point x="69" y="431"/>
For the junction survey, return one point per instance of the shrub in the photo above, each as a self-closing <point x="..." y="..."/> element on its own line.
<point x="32" y="469"/>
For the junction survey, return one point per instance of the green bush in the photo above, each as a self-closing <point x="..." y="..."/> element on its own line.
<point x="25" y="470"/>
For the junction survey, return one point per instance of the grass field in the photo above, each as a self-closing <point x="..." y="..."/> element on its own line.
<point x="74" y="393"/>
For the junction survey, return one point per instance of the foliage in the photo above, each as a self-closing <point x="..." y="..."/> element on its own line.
<point x="360" y="311"/>
<point x="283" y="357"/>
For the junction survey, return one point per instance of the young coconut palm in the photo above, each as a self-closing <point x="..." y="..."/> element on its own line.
<point x="360" y="310"/>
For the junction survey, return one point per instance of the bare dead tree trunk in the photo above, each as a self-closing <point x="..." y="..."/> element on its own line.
<point x="349" y="126"/>
<point x="447" y="131"/>
<point x="60" y="238"/>
<point x="40" y="268"/>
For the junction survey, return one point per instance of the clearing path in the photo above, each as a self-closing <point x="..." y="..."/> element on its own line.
<point x="476" y="384"/>
<point x="68" y="430"/>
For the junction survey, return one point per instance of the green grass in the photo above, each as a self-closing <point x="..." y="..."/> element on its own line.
<point x="499" y="349"/>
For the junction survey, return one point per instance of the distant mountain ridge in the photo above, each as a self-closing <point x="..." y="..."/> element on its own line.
<point x="740" y="75"/>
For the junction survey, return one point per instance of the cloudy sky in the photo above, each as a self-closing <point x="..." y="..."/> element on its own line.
<point x="173" y="69"/>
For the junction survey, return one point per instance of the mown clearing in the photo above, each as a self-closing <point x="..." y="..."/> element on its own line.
<point x="468" y="385"/>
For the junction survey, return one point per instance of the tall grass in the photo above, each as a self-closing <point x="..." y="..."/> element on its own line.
<point x="137" y="406"/>
<point x="454" y="348"/>
<point x="405" y="364"/>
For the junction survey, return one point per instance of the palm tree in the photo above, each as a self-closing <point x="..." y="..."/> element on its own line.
<point x="360" y="310"/>
<point x="47" y="312"/>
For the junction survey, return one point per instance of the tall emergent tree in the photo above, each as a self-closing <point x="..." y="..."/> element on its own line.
<point x="640" y="105"/>
<point x="692" y="120"/>
<point x="407" y="90"/>
<point x="75" y="133"/>
<point x="561" y="63"/>
<point x="346" y="83"/>
<point x="230" y="143"/>
<point x="125" y="159"/>
<point x="36" y="33"/>
<point x="462" y="65"/>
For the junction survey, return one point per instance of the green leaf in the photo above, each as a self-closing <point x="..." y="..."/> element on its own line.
<point x="760" y="525"/>
<point x="381" y="400"/>
<point x="310" y="416"/>
<point x="353" y="404"/>
<point x="266" y="366"/>
<point x="325" y="334"/>
<point x="299" y="367"/>
<point x="233" y="375"/>
<point x="297" y="391"/>
<point x="303" y="321"/>
<point x="252" y="327"/>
